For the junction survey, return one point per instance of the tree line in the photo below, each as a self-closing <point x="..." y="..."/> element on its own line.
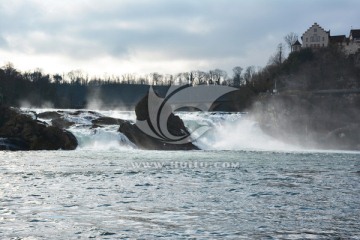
<point x="38" y="87"/>
<point x="78" y="77"/>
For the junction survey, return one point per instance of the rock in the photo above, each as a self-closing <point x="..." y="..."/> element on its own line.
<point x="175" y="126"/>
<point x="144" y="141"/>
<point x="13" y="144"/>
<point x="49" y="115"/>
<point x="21" y="132"/>
<point x="53" y="138"/>
<point x="57" y="119"/>
<point x="77" y="113"/>
<point x="61" y="123"/>
<point x="142" y="109"/>
<point x="107" y="121"/>
<point x="94" y="126"/>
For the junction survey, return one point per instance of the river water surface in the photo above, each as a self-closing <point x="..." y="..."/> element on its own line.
<point x="101" y="191"/>
<point x="203" y="195"/>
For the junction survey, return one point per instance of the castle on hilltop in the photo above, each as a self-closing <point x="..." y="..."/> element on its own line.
<point x="317" y="37"/>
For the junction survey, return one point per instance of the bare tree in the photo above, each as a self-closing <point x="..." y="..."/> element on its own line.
<point x="75" y="76"/>
<point x="168" y="79"/>
<point x="201" y="77"/>
<point x="248" y="74"/>
<point x="182" y="78"/>
<point x="225" y="78"/>
<point x="132" y="77"/>
<point x="57" y="78"/>
<point x="198" y="77"/>
<point x="128" y="78"/>
<point x="36" y="75"/>
<point x="156" y="78"/>
<point x="142" y="80"/>
<point x="290" y="39"/>
<point x="217" y="76"/>
<point x="148" y="78"/>
<point x="212" y="77"/>
<point x="237" y="75"/>
<point x="278" y="57"/>
<point x="10" y="70"/>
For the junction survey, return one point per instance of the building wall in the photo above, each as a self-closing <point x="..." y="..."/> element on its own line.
<point x="296" y="48"/>
<point x="352" y="39"/>
<point x="352" y="48"/>
<point x="315" y="37"/>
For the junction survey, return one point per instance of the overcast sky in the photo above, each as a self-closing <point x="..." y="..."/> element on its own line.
<point x="166" y="36"/>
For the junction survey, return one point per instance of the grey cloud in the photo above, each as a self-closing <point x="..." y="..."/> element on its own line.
<point x="232" y="26"/>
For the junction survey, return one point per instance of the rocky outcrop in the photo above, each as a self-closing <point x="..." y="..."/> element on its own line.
<point x="49" y="115"/>
<point x="61" y="122"/>
<point x="57" y="119"/>
<point x="20" y="132"/>
<point x="107" y="121"/>
<point x="13" y="144"/>
<point x="175" y="127"/>
<point x="144" y="141"/>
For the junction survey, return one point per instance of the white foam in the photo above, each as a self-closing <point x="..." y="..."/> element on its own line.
<point x="101" y="139"/>
<point x="232" y="131"/>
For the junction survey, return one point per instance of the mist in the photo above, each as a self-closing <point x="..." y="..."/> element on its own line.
<point x="106" y="99"/>
<point x="242" y="134"/>
<point x="30" y="104"/>
<point x="313" y="121"/>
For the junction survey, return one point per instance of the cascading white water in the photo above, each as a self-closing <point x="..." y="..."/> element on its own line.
<point x="100" y="138"/>
<point x="225" y="131"/>
<point x="107" y="138"/>
<point x="88" y="136"/>
<point x="232" y="131"/>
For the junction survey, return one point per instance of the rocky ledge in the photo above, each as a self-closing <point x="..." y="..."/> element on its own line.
<point x="142" y="140"/>
<point x="19" y="131"/>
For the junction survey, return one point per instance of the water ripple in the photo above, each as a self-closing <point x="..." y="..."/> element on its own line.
<point x="271" y="195"/>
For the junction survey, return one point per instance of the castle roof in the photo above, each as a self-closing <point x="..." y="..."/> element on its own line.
<point x="337" y="39"/>
<point x="297" y="43"/>
<point x="318" y="26"/>
<point x="355" y="33"/>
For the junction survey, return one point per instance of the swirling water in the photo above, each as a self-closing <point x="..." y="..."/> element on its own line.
<point x="126" y="193"/>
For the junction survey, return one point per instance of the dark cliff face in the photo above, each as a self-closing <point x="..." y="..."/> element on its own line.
<point x="20" y="132"/>
<point x="312" y="121"/>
